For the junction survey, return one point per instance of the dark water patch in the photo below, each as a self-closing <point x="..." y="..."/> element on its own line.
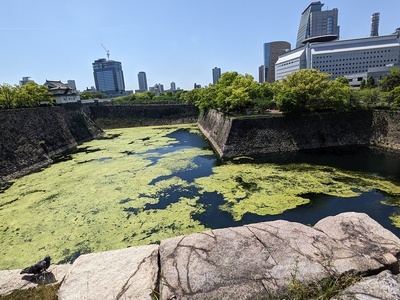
<point x="8" y="203"/>
<point x="248" y="186"/>
<point x="172" y="195"/>
<point x="101" y="159"/>
<point x="186" y="138"/>
<point x="183" y="140"/>
<point x="125" y="201"/>
<point x="213" y="217"/>
<point x="371" y="160"/>
<point x="68" y="155"/>
<point x="109" y="136"/>
<point x="131" y="211"/>
<point x="319" y="207"/>
<point x="71" y="255"/>
<point x="322" y="206"/>
<point x="5" y="186"/>
<point x="47" y="199"/>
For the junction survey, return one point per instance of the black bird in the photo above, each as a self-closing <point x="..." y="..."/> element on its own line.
<point x="38" y="268"/>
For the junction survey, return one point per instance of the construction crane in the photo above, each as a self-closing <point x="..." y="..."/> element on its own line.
<point x="107" y="52"/>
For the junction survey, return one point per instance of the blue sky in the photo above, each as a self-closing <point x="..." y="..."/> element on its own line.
<point x="170" y="40"/>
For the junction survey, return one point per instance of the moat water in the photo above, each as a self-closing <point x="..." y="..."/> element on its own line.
<point x="141" y="185"/>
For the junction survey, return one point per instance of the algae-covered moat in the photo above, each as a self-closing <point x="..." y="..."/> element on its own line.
<point x="140" y="185"/>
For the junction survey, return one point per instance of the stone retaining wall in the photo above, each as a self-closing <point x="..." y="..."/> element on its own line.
<point x="118" y="116"/>
<point x="31" y="138"/>
<point x="232" y="136"/>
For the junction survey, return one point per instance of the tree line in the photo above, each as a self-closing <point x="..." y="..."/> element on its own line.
<point x="307" y="90"/>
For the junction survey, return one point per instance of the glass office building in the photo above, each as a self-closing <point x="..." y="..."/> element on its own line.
<point x="142" y="79"/>
<point x="317" y="25"/>
<point x="109" y="77"/>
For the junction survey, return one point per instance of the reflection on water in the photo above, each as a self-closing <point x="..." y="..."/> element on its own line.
<point x="141" y="185"/>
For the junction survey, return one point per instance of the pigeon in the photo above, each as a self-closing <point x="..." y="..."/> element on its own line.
<point x="38" y="268"/>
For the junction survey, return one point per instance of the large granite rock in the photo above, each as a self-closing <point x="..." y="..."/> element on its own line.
<point x="263" y="259"/>
<point x="130" y="273"/>
<point x="385" y="286"/>
<point x="250" y="262"/>
<point x="11" y="280"/>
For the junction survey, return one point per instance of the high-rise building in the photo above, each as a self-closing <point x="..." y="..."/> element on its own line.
<point x="317" y="25"/>
<point x="142" y="81"/>
<point x="173" y="86"/>
<point x="108" y="77"/>
<point x="261" y="74"/>
<point x="216" y="72"/>
<point x="272" y="51"/>
<point x="375" y="24"/>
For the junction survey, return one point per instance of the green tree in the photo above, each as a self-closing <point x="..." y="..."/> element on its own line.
<point x="310" y="90"/>
<point x="363" y="84"/>
<point x="370" y="83"/>
<point x="369" y="98"/>
<point x="235" y="92"/>
<point x="7" y="95"/>
<point x="396" y="97"/>
<point x="301" y="91"/>
<point x="343" y="80"/>
<point x="390" y="81"/>
<point x="86" y="95"/>
<point x="33" y="94"/>
<point x="264" y="99"/>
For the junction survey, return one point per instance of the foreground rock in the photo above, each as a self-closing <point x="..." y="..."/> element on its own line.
<point x="11" y="280"/>
<point x="263" y="259"/>
<point x="250" y="262"/>
<point x="130" y="273"/>
<point x="382" y="286"/>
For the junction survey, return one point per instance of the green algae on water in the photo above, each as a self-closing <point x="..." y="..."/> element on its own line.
<point x="270" y="189"/>
<point x="129" y="188"/>
<point x="76" y="206"/>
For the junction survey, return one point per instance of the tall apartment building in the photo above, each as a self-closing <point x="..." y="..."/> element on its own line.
<point x="142" y="81"/>
<point x="109" y="77"/>
<point x="272" y="51"/>
<point x="216" y="72"/>
<point x="317" y="25"/>
<point x="261" y="74"/>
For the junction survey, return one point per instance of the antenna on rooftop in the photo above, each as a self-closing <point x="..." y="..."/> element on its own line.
<point x="107" y="52"/>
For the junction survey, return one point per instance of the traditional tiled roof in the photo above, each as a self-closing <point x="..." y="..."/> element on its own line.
<point x="56" y="85"/>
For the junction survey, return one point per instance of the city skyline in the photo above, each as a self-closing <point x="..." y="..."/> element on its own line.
<point x="178" y="42"/>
